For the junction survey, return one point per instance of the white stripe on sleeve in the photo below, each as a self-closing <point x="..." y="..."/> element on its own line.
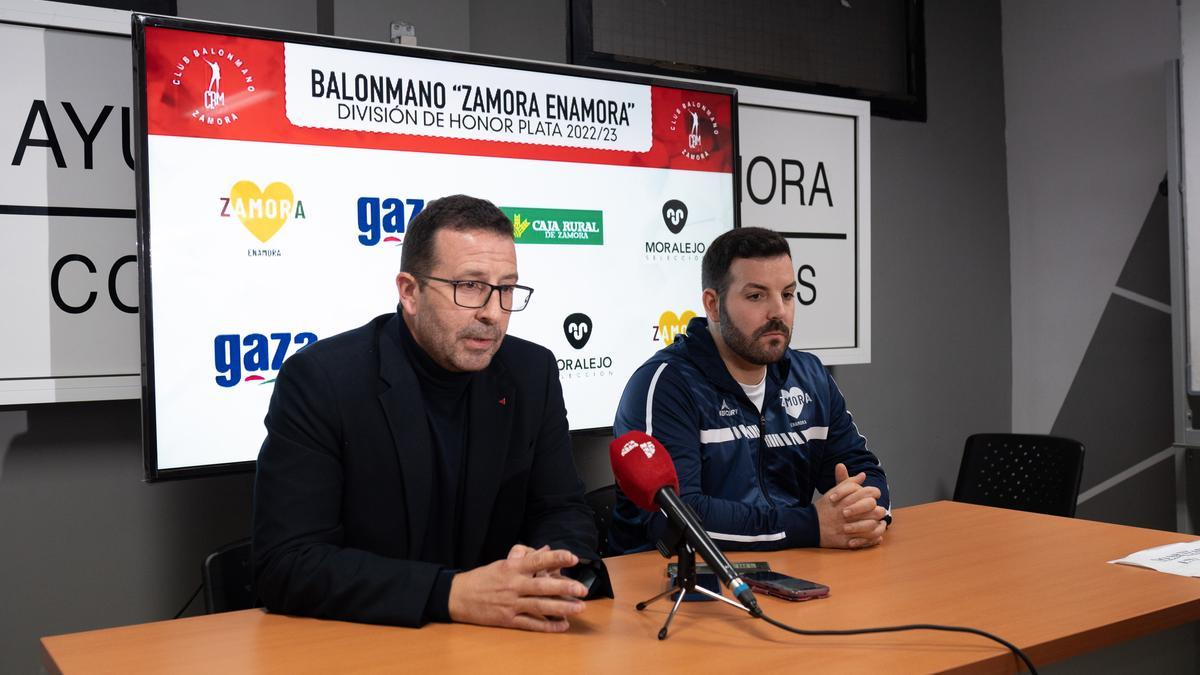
<point x="816" y="433"/>
<point x="650" y="400"/>
<point x="722" y="435"/>
<point x="746" y="538"/>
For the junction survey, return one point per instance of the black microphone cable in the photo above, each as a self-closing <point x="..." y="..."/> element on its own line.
<point x="895" y="629"/>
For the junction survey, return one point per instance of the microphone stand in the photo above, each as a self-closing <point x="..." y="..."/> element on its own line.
<point x="685" y="582"/>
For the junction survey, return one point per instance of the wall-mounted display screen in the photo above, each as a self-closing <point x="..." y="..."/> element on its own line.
<point x="277" y="173"/>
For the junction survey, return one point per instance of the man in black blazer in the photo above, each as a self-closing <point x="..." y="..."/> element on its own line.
<point x="419" y="468"/>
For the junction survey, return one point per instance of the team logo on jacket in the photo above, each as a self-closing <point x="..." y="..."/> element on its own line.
<point x="794" y="400"/>
<point x="647" y="447"/>
<point x="726" y="410"/>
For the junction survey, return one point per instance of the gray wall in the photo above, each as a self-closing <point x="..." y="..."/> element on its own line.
<point x="87" y="545"/>
<point x="940" y="361"/>
<point x="1086" y="109"/>
<point x="1086" y="151"/>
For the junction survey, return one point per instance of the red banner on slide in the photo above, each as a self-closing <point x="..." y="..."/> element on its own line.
<point x="206" y="85"/>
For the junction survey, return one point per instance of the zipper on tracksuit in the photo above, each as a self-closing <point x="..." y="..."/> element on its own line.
<point x="762" y="450"/>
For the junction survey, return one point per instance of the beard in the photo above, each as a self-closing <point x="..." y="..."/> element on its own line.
<point x="447" y="347"/>
<point x="747" y="346"/>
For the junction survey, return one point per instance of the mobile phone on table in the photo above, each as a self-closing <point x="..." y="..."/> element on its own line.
<point x="783" y="586"/>
<point x="707" y="580"/>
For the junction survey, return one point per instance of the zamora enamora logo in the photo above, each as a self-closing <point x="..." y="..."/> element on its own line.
<point x="578" y="227"/>
<point x="262" y="211"/>
<point x="671" y="325"/>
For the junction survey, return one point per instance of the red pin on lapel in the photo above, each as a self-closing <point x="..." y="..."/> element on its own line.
<point x="504" y="401"/>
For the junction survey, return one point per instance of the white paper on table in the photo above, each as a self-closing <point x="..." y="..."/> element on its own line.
<point x="1182" y="559"/>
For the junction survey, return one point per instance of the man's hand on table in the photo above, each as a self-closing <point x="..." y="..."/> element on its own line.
<point x="525" y="590"/>
<point x="849" y="513"/>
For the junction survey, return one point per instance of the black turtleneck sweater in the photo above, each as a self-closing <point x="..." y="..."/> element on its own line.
<point x="444" y="394"/>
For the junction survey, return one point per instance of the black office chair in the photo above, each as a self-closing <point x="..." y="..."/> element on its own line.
<point x="228" y="580"/>
<point x="602" y="500"/>
<point x="1021" y="471"/>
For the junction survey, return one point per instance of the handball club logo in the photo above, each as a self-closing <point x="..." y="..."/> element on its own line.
<point x="699" y="122"/>
<point x="226" y="80"/>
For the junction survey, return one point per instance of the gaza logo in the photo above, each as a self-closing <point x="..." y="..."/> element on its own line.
<point x="383" y="220"/>
<point x="254" y="357"/>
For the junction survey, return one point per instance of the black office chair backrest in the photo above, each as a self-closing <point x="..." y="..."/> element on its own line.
<point x="228" y="579"/>
<point x="602" y="500"/>
<point x="1021" y="471"/>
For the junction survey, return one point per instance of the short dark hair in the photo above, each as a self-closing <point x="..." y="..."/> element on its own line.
<point x="742" y="242"/>
<point x="456" y="212"/>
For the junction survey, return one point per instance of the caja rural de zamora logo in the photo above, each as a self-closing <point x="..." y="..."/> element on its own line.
<point x="556" y="226"/>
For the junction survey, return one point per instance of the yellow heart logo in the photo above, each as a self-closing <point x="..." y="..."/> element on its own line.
<point x="670" y="325"/>
<point x="262" y="212"/>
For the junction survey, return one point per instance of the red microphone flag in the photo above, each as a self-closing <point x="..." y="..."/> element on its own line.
<point x="642" y="467"/>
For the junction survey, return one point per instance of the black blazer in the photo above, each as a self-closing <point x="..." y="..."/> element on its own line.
<point x="343" y="498"/>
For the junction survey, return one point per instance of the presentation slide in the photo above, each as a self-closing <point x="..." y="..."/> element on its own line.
<point x="280" y="173"/>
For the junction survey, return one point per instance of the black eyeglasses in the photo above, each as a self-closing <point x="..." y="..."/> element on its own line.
<point x="475" y="294"/>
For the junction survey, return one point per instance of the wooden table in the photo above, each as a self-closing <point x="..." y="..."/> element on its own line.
<point x="1041" y="582"/>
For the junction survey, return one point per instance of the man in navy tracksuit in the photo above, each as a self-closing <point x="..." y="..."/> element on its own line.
<point x="752" y="426"/>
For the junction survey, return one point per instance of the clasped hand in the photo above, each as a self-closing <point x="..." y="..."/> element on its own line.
<point x="526" y="590"/>
<point x="849" y="513"/>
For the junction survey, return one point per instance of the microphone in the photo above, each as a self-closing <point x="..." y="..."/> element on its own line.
<point x="646" y="475"/>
